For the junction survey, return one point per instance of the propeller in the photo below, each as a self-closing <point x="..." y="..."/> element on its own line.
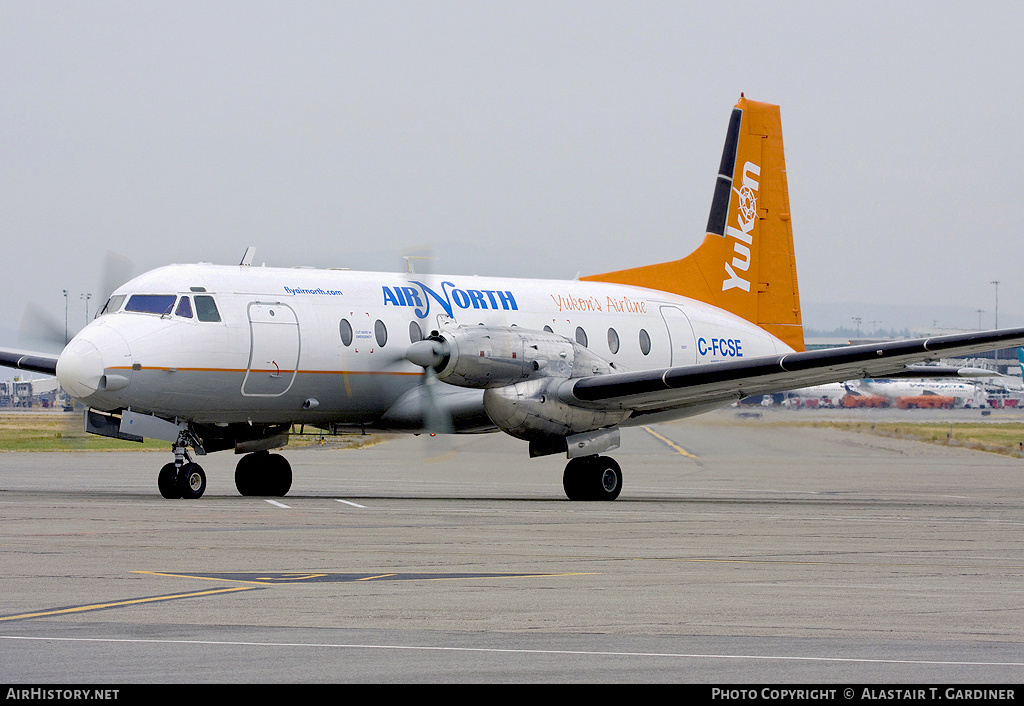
<point x="419" y="260"/>
<point x="436" y="420"/>
<point x="39" y="330"/>
<point x="430" y="353"/>
<point x="115" y="271"/>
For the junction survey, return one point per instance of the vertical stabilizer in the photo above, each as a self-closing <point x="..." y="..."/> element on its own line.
<point x="746" y="264"/>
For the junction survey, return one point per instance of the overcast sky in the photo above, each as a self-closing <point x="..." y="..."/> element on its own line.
<point x="543" y="139"/>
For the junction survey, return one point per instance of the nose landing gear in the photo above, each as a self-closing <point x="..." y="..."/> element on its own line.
<point x="183" y="478"/>
<point x="187" y="481"/>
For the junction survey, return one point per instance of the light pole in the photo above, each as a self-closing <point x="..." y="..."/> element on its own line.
<point x="857" y="319"/>
<point x="65" y="317"/>
<point x="87" y="296"/>
<point x="996" y="283"/>
<point x="980" y="312"/>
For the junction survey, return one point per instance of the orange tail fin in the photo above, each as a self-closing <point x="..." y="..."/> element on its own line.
<point x="746" y="264"/>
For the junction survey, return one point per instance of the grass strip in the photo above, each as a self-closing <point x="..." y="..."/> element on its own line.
<point x="994" y="437"/>
<point x="58" y="431"/>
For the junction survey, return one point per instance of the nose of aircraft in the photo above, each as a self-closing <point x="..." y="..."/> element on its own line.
<point x="81" y="366"/>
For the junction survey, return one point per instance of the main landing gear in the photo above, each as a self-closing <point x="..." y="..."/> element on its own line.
<point x="263" y="473"/>
<point x="592" y="478"/>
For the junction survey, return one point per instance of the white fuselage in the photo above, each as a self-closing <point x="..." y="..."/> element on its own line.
<point x="893" y="389"/>
<point x="328" y="346"/>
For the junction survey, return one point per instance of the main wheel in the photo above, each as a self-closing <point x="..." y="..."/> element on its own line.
<point x="167" y="481"/>
<point x="279" y="476"/>
<point x="192" y="481"/>
<point x="263" y="473"/>
<point x="574" y="478"/>
<point x="608" y="479"/>
<point x="248" y="473"/>
<point x="592" y="478"/>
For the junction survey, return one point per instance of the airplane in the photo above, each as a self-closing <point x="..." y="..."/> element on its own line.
<point x="214" y="358"/>
<point x="894" y="389"/>
<point x="832" y="392"/>
<point x="942" y="382"/>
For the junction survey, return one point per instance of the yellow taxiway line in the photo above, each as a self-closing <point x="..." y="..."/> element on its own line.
<point x="671" y="444"/>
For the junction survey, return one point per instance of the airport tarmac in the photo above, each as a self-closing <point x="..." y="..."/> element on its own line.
<point x="740" y="551"/>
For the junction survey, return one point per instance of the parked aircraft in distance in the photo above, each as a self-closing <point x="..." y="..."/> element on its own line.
<point x="213" y="358"/>
<point x="831" y="392"/>
<point x="968" y="388"/>
<point x="895" y="389"/>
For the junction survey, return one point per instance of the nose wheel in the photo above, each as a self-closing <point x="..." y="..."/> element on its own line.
<point x="167" y="481"/>
<point x="187" y="481"/>
<point x="183" y="478"/>
<point x="592" y="478"/>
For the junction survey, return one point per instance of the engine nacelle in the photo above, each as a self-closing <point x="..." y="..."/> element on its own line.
<point x="487" y="357"/>
<point x="521" y="372"/>
<point x="532" y="410"/>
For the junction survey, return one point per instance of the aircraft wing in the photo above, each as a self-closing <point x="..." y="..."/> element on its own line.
<point x="45" y="363"/>
<point x="653" y="391"/>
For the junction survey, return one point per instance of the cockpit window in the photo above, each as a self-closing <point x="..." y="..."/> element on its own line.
<point x="151" y="303"/>
<point x="184" y="309"/>
<point x="113" y="304"/>
<point x="206" y="308"/>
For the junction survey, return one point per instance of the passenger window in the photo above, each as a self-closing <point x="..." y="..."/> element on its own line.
<point x="415" y="332"/>
<point x="613" y="340"/>
<point x="206" y="308"/>
<point x="184" y="309"/>
<point x="151" y="303"/>
<point x="380" y="332"/>
<point x="346" y="332"/>
<point x="645" y="342"/>
<point x="581" y="336"/>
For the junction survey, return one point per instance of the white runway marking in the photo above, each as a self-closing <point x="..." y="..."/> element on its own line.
<point x="348" y="502"/>
<point x="498" y="650"/>
<point x="274" y="502"/>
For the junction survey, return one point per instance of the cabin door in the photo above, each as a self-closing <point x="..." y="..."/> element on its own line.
<point x="273" y="349"/>
<point x="680" y="334"/>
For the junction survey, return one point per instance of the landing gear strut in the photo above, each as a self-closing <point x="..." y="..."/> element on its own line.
<point x="183" y="478"/>
<point x="592" y="478"/>
<point x="263" y="473"/>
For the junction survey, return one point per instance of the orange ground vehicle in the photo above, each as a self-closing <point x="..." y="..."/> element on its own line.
<point x="852" y="401"/>
<point x="925" y="402"/>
